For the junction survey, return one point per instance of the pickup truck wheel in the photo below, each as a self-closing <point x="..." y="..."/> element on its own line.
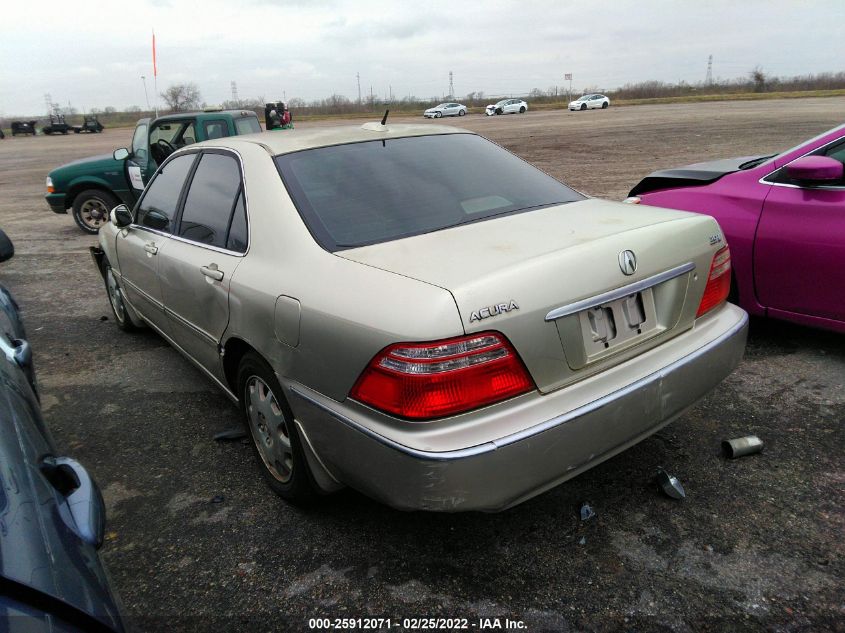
<point x="91" y="209"/>
<point x="276" y="442"/>
<point x="116" y="299"/>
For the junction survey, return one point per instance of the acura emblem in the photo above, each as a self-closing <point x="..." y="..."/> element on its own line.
<point x="628" y="262"/>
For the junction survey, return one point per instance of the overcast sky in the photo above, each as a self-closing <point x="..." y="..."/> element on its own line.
<point x="93" y="54"/>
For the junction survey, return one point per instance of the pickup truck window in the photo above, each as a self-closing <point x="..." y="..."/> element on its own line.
<point x="248" y="125"/>
<point x="215" y="129"/>
<point x="139" y="142"/>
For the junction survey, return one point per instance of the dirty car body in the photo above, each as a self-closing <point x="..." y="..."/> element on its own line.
<point x="442" y="339"/>
<point x="784" y="218"/>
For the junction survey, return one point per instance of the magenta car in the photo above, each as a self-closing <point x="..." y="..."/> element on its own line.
<point x="784" y="218"/>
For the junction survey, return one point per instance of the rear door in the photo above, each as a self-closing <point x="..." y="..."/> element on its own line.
<point x="208" y="245"/>
<point x="140" y="246"/>
<point x="799" y="251"/>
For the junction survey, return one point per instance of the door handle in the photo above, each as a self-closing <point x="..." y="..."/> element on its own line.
<point x="212" y="271"/>
<point x="151" y="248"/>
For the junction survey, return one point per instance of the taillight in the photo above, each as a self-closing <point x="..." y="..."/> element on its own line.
<point x="718" y="282"/>
<point x="421" y="381"/>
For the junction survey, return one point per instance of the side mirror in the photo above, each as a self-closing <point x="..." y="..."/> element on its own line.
<point x="7" y="249"/>
<point x="815" y="169"/>
<point x="121" y="154"/>
<point x="156" y="220"/>
<point x="121" y="216"/>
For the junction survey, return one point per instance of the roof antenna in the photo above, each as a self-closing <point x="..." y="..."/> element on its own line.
<point x="384" y="118"/>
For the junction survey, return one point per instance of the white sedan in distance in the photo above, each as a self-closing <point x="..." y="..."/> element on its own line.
<point x="507" y="106"/>
<point x="590" y="102"/>
<point x="445" y="109"/>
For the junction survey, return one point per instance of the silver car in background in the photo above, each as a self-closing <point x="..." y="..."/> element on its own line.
<point x="419" y="314"/>
<point x="445" y="109"/>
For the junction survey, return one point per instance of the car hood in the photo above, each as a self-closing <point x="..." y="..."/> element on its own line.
<point x="88" y="165"/>
<point x="696" y="174"/>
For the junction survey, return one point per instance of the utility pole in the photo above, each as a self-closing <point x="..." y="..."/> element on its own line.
<point x="358" y="77"/>
<point x="48" y="99"/>
<point x="451" y="86"/>
<point x="146" y="96"/>
<point x="235" y="94"/>
<point x="708" y="81"/>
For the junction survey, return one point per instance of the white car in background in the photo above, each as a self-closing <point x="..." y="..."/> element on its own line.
<point x="507" y="106"/>
<point x="590" y="102"/>
<point x="445" y="109"/>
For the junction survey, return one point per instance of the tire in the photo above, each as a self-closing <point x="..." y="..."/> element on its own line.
<point x="437" y="115"/>
<point x="499" y="111"/>
<point x="115" y="294"/>
<point x="462" y="112"/>
<point x="522" y="109"/>
<point x="278" y="450"/>
<point x="91" y="209"/>
<point x="583" y="106"/>
<point x="604" y="105"/>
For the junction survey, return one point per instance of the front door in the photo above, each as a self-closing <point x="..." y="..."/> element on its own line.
<point x="141" y="245"/>
<point x="799" y="252"/>
<point x="206" y="249"/>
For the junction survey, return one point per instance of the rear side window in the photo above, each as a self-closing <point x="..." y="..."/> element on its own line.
<point x="216" y="129"/>
<point x="210" y="200"/>
<point x="157" y="208"/>
<point x="376" y="191"/>
<point x="247" y="125"/>
<point x="238" y="235"/>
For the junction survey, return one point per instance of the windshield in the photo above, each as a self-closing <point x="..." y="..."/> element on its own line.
<point x="376" y="191"/>
<point x="442" y="105"/>
<point x="502" y="102"/>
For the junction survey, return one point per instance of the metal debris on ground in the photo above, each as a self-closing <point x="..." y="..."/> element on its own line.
<point x="230" y="434"/>
<point x="218" y="499"/>
<point x="742" y="446"/>
<point x="670" y="485"/>
<point x="583" y="541"/>
<point x="587" y="512"/>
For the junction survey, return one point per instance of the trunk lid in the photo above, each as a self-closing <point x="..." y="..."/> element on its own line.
<point x="550" y="280"/>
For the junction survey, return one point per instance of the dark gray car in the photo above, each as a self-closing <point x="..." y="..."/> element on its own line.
<point x="52" y="516"/>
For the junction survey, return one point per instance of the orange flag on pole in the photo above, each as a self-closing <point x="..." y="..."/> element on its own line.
<point x="155" y="70"/>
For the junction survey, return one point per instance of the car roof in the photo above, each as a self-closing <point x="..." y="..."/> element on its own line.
<point x="286" y="141"/>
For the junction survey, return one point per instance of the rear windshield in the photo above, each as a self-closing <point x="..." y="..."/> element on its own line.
<point x="376" y="191"/>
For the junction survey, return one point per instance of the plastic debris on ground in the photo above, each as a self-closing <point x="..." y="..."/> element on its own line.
<point x="230" y="434"/>
<point x="587" y="512"/>
<point x="670" y="485"/>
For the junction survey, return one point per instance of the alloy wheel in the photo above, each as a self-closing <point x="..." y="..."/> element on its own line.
<point x="269" y="428"/>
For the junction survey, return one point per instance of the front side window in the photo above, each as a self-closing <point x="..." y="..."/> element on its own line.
<point x="139" y="143"/>
<point x="157" y="208"/>
<point x="376" y="191"/>
<point x="210" y="200"/>
<point x="834" y="150"/>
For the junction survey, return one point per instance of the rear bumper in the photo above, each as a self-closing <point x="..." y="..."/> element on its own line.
<point x="503" y="471"/>
<point x="56" y="202"/>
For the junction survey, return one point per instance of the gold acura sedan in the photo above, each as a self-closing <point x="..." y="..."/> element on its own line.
<point x="419" y="314"/>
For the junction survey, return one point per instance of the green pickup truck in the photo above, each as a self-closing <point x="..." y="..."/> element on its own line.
<point x="91" y="187"/>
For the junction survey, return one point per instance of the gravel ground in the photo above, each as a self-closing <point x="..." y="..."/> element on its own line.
<point x="196" y="541"/>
